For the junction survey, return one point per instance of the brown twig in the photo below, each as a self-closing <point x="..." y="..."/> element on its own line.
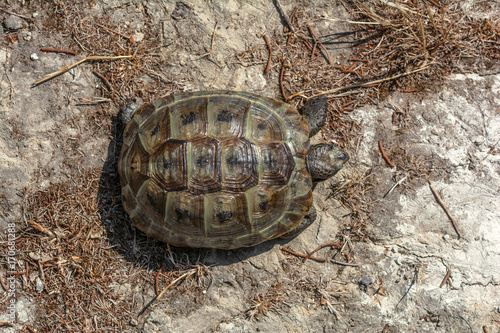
<point x="41" y="229"/>
<point x="42" y="273"/>
<point x="384" y="155"/>
<point x="284" y="249"/>
<point x="106" y="82"/>
<point x="372" y="83"/>
<point x="291" y="20"/>
<point x="436" y="4"/>
<point x="309" y="255"/>
<point x="385" y="328"/>
<point x="314" y="49"/>
<point x="490" y="151"/>
<point x="86" y="101"/>
<point x="306" y="43"/>
<point x="183" y="276"/>
<point x="67" y="68"/>
<point x="213" y="38"/>
<point x="270" y="54"/>
<point x="448" y="272"/>
<point x="284" y="16"/>
<point x="321" y="46"/>
<point x="157" y="291"/>
<point x="332" y="244"/>
<point x="29" y="328"/>
<point x="438" y="198"/>
<point x="26" y="270"/>
<point x="19" y="15"/>
<point x="131" y="38"/>
<point x="344" y="263"/>
<point x="3" y="284"/>
<point x="282" y="74"/>
<point x="48" y="49"/>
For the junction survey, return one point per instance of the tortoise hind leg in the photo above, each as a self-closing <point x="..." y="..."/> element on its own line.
<point x="306" y="222"/>
<point x="314" y="112"/>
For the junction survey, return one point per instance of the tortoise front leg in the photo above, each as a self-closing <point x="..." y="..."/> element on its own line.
<point x="314" y="112"/>
<point x="307" y="221"/>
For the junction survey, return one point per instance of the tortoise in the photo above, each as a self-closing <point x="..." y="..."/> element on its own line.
<point x="223" y="169"/>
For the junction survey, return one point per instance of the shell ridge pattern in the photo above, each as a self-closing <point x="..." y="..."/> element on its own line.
<point x="234" y="162"/>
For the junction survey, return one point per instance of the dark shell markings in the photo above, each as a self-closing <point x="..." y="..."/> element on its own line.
<point x="216" y="169"/>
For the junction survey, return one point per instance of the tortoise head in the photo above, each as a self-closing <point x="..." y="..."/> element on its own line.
<point x="325" y="160"/>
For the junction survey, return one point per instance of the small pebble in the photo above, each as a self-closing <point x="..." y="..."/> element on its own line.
<point x="364" y="281"/>
<point x="180" y="12"/>
<point x="39" y="285"/>
<point x="13" y="22"/>
<point x="446" y="237"/>
<point x="34" y="56"/>
<point x="226" y="326"/>
<point x="138" y="36"/>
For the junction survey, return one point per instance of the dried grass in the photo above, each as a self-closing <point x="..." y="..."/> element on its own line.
<point x="79" y="242"/>
<point x="79" y="267"/>
<point x="389" y="39"/>
<point x="100" y="36"/>
<point x="262" y="303"/>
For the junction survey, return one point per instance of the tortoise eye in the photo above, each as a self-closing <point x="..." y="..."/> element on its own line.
<point x="342" y="156"/>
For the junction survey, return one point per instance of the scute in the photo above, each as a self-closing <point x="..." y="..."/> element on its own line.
<point x="239" y="165"/>
<point x="169" y="165"/>
<point x="225" y="215"/>
<point x="276" y="163"/>
<point x="215" y="169"/>
<point x="184" y="214"/>
<point x="154" y="132"/>
<point x="133" y="167"/>
<point x="188" y="118"/>
<point x="227" y="118"/>
<point x="264" y="125"/>
<point x="204" y="166"/>
<point x="266" y="204"/>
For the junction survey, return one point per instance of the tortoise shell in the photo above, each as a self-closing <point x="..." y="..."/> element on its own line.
<point x="215" y="169"/>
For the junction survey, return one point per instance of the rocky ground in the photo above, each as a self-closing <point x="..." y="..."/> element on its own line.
<point x="87" y="269"/>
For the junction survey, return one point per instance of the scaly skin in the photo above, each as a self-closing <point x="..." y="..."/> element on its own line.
<point x="325" y="160"/>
